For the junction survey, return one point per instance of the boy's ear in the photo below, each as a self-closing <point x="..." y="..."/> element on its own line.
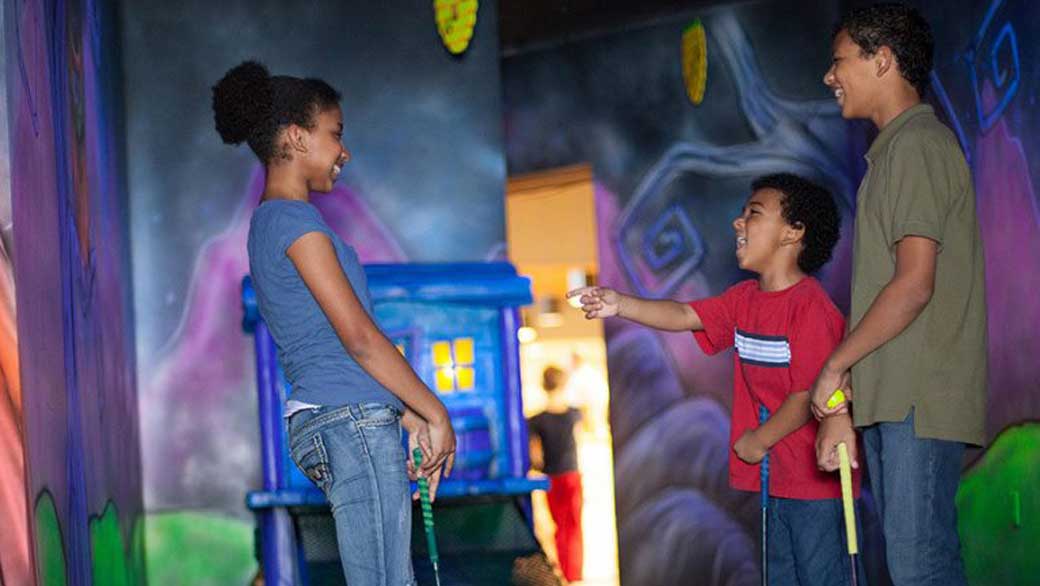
<point x="793" y="233"/>
<point x="885" y="60"/>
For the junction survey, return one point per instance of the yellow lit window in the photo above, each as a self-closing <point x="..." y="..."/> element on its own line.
<point x="442" y="353"/>
<point x="463" y="351"/>
<point x="466" y="377"/>
<point x="454" y="365"/>
<point x="445" y="379"/>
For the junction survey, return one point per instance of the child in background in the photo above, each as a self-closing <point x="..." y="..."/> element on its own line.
<point x="554" y="451"/>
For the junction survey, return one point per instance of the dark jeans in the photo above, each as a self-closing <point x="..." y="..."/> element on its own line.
<point x="914" y="483"/>
<point x="807" y="545"/>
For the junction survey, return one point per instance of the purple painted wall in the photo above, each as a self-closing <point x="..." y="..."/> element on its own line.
<point x="71" y="265"/>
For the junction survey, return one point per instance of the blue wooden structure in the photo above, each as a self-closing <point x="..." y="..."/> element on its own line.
<point x="456" y="324"/>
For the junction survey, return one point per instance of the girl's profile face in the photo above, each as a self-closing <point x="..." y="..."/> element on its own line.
<point x="326" y="154"/>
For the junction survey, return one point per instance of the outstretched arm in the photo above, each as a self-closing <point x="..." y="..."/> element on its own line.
<point x="664" y="314"/>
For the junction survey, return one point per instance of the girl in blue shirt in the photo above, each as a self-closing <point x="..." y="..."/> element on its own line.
<point x="352" y="391"/>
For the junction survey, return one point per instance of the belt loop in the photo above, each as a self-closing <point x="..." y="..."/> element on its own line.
<point x="355" y="412"/>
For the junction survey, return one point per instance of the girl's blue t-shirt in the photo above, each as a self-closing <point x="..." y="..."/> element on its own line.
<point x="315" y="363"/>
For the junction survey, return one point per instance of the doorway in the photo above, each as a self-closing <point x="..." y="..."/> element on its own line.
<point x="552" y="236"/>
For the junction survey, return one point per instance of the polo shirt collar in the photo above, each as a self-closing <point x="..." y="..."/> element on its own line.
<point x="889" y="131"/>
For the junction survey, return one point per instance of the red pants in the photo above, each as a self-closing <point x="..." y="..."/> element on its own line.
<point x="565" y="505"/>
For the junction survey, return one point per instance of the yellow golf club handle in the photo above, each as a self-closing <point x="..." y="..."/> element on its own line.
<point x="846" y="497"/>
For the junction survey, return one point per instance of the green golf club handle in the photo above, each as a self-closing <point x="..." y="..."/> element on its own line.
<point x="427" y="509"/>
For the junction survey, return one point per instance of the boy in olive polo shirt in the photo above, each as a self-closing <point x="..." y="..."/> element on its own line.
<point x="917" y="346"/>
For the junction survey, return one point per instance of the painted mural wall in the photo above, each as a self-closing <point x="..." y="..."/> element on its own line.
<point x="987" y="80"/>
<point x="426" y="183"/>
<point x="671" y="176"/>
<point x="78" y="397"/>
<point x="15" y="562"/>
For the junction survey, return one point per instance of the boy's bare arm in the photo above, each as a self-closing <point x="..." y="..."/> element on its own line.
<point x="792" y="414"/>
<point x="893" y="310"/>
<point x="664" y="314"/>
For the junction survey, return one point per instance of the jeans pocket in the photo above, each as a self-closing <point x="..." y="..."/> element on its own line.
<point x="295" y="423"/>
<point x="377" y="414"/>
<point x="312" y="459"/>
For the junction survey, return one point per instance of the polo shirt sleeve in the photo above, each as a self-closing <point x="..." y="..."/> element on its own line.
<point x="718" y="316"/>
<point x="920" y="186"/>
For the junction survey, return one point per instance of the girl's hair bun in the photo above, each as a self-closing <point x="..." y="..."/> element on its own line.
<point x="242" y="101"/>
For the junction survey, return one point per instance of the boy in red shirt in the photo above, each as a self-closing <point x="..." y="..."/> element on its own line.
<point x="784" y="326"/>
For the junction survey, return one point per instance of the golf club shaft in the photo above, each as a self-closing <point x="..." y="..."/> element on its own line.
<point x="763" y="415"/>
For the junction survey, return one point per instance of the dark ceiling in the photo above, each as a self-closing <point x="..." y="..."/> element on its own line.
<point x="526" y="25"/>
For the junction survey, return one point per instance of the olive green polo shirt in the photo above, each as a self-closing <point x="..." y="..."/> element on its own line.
<point x="918" y="184"/>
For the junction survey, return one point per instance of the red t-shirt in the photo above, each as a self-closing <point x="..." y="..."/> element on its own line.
<point x="783" y="339"/>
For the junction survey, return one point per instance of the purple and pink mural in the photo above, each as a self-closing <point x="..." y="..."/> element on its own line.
<point x="15" y="562"/>
<point x="78" y="400"/>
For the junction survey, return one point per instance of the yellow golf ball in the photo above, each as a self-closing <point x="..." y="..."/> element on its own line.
<point x="836" y="399"/>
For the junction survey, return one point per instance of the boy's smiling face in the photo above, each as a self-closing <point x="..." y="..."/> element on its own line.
<point x="762" y="231"/>
<point x="852" y="77"/>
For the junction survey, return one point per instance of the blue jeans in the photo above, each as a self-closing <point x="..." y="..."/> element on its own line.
<point x="354" y="454"/>
<point x="914" y="482"/>
<point x="807" y="545"/>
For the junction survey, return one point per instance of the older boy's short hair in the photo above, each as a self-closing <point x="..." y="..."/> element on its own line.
<point x="900" y="28"/>
<point x="808" y="205"/>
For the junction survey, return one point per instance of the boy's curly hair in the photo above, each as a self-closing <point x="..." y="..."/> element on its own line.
<point x="808" y="205"/>
<point x="898" y="27"/>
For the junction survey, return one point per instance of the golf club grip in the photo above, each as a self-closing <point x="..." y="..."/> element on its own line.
<point x="427" y="515"/>
<point x="845" y="468"/>
<point x="427" y="508"/>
